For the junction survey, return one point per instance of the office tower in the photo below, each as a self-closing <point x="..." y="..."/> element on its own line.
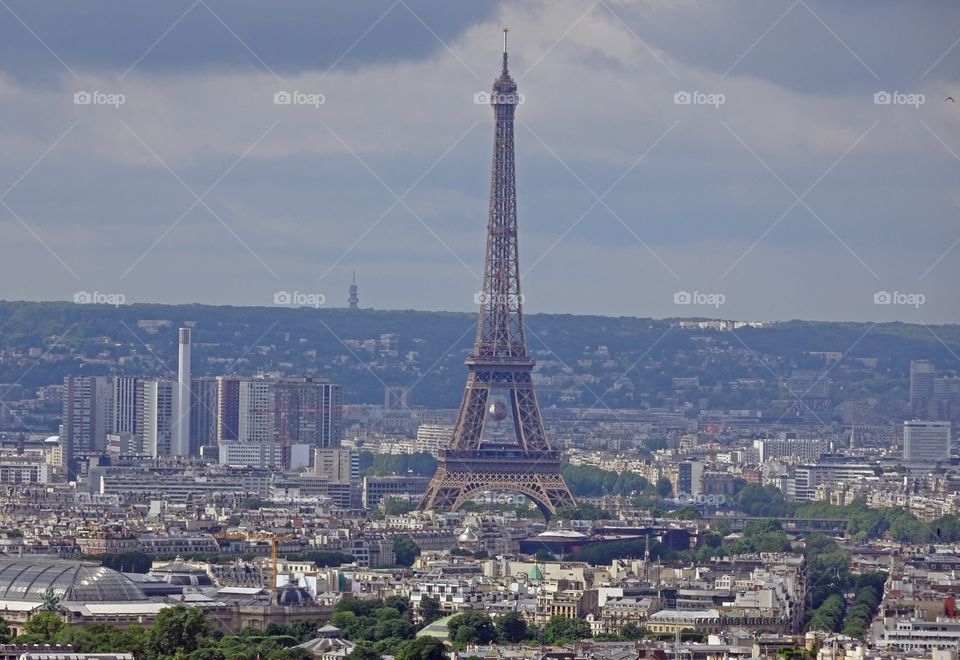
<point x="158" y="417"/>
<point x="124" y="407"/>
<point x="203" y="413"/>
<point x="309" y="411"/>
<point x="337" y="465"/>
<point x="926" y="442"/>
<point x="690" y="478"/>
<point x="182" y="435"/>
<point x="803" y="449"/>
<point x="256" y="411"/>
<point x="354" y="299"/>
<point x="228" y="408"/>
<point x="923" y="375"/>
<point x="87" y="401"/>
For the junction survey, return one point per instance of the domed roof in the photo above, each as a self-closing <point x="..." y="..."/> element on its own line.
<point x="179" y="572"/>
<point x="290" y="595"/>
<point x="468" y="536"/>
<point x="23" y="579"/>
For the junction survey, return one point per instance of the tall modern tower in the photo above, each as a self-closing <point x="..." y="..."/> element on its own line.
<point x="499" y="383"/>
<point x="182" y="436"/>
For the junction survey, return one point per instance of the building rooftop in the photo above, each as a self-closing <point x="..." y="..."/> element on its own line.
<point x="29" y="579"/>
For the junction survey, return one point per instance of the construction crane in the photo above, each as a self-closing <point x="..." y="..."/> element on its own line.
<point x="280" y="424"/>
<point x="273" y="539"/>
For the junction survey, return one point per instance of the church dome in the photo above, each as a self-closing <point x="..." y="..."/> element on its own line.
<point x="290" y="595"/>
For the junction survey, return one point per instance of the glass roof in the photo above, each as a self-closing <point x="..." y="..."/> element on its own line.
<point x="27" y="579"/>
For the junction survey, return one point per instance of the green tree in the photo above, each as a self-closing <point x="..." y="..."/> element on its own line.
<point x="364" y="651"/>
<point x="405" y="551"/>
<point x="397" y="507"/>
<point x="631" y="631"/>
<point x="422" y="648"/>
<point x="757" y="500"/>
<point x="430" y="609"/>
<point x="511" y="628"/>
<point x="561" y="630"/>
<point x="44" y="625"/>
<point x="472" y="628"/>
<point x="664" y="487"/>
<point x="177" y="629"/>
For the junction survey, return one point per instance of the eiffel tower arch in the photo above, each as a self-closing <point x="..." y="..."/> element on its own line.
<point x="498" y="367"/>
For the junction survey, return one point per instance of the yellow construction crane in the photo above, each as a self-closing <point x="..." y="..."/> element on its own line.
<point x="273" y="539"/>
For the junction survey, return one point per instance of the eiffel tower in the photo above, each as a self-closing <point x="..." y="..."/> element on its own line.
<point x="499" y="366"/>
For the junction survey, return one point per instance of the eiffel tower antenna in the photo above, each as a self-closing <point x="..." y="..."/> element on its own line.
<point x="499" y="365"/>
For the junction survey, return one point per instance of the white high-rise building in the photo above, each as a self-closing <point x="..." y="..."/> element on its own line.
<point x="87" y="401"/>
<point x="805" y="450"/>
<point x="337" y="465"/>
<point x="125" y="397"/>
<point x="182" y="436"/>
<point x="257" y="411"/>
<point x="926" y="442"/>
<point x="158" y="417"/>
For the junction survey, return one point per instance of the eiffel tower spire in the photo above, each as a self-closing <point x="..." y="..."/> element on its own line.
<point x="499" y="365"/>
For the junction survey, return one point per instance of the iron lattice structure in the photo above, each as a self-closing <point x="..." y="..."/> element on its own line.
<point x="499" y="362"/>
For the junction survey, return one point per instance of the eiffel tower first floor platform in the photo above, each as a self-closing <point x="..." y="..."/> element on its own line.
<point x="465" y="473"/>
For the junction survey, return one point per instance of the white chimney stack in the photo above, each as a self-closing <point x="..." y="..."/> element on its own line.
<point x="182" y="439"/>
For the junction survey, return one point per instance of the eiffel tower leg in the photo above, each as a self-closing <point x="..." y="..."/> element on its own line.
<point x="469" y="428"/>
<point x="526" y="414"/>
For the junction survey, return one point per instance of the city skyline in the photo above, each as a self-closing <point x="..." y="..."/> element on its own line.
<point x="711" y="146"/>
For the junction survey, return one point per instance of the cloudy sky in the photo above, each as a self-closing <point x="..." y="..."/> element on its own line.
<point x="786" y="188"/>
